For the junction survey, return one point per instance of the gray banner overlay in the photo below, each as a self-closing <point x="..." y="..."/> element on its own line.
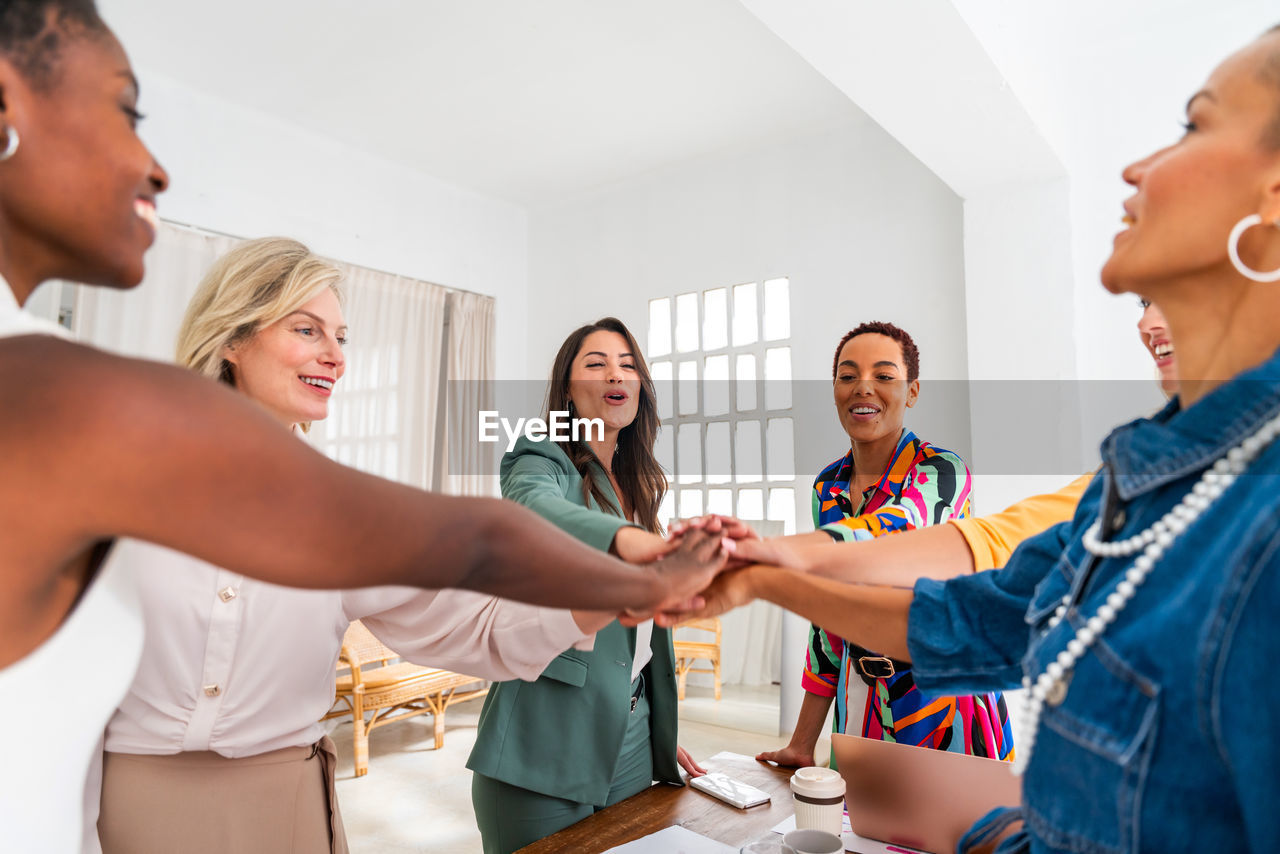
<point x="1015" y="427"/>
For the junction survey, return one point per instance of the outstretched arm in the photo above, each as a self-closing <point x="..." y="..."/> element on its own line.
<point x="99" y="446"/>
<point x="957" y="548"/>
<point x="939" y="551"/>
<point x="871" y="616"/>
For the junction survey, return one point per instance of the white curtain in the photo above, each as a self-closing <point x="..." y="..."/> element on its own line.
<point x="470" y="467"/>
<point x="144" y="321"/>
<point x="383" y="418"/>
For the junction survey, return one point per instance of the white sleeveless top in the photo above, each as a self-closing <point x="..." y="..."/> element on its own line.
<point x="55" y="702"/>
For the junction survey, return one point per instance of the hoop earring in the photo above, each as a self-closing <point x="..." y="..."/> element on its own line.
<point x="1233" y="251"/>
<point x="11" y="145"/>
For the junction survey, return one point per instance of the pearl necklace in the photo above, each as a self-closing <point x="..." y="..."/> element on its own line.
<point x="1153" y="542"/>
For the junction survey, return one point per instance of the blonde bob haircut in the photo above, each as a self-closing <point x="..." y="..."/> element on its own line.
<point x="249" y="288"/>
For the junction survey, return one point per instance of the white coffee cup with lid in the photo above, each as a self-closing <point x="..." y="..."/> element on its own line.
<point x="819" y="799"/>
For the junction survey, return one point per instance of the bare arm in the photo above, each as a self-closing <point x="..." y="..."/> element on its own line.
<point x="799" y="752"/>
<point x="871" y="616"/>
<point x="939" y="551"/>
<point x="102" y="446"/>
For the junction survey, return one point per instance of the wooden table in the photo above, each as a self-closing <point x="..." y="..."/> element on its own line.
<point x="663" y="806"/>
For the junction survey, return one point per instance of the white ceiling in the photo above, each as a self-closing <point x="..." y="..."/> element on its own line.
<point x="1106" y="81"/>
<point x="534" y="101"/>
<point x="525" y="101"/>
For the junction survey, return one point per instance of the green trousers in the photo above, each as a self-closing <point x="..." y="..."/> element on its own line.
<point x="510" y="817"/>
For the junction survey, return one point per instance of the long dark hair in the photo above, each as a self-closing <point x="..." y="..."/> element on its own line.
<point x="640" y="478"/>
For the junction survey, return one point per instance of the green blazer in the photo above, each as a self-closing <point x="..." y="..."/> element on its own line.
<point x="561" y="735"/>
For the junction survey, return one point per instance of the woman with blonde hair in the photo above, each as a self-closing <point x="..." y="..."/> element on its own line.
<point x="217" y="746"/>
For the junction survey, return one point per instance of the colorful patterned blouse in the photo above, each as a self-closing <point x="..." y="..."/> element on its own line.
<point x="922" y="485"/>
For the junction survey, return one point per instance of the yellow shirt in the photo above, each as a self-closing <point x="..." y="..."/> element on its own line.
<point x="993" y="538"/>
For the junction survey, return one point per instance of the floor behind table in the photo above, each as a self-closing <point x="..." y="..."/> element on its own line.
<point x="418" y="799"/>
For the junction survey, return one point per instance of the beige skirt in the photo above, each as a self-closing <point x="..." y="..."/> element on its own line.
<point x="280" y="802"/>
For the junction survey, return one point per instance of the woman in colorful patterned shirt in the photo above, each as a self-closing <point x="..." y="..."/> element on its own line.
<point x="888" y="481"/>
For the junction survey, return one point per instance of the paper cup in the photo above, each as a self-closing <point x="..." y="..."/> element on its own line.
<point x="819" y="799"/>
<point x="812" y="842"/>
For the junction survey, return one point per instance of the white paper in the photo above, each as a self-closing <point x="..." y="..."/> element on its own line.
<point x="725" y="754"/>
<point x="674" y="840"/>
<point x="852" y="841"/>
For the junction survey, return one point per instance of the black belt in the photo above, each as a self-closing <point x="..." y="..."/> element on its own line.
<point x="871" y="667"/>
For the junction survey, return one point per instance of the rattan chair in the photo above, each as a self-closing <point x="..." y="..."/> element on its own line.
<point x="374" y="684"/>
<point x="687" y="652"/>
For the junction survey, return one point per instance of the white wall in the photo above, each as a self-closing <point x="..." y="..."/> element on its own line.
<point x="247" y="174"/>
<point x="863" y="231"/>
<point x="1106" y="84"/>
<point x="919" y="72"/>
<point x="860" y="227"/>
<point x="1019" y="306"/>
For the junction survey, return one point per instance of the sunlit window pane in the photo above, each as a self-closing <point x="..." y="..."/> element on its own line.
<point x="777" y="378"/>
<point x="662" y="387"/>
<point x="745" y="375"/>
<point x="777" y="309"/>
<point x="715" y="385"/>
<point x="659" y="327"/>
<point x="689" y="447"/>
<point x="664" y="450"/>
<point x="688" y="388"/>
<point x="746" y="441"/>
<point x="720" y="501"/>
<point x="782" y="508"/>
<point x="687" y="323"/>
<point x="715" y="321"/>
<point x="690" y="503"/>
<point x="745" y="315"/>
<point x="781" y="449"/>
<point x="667" y="509"/>
<point x="719" y="469"/>
<point x="751" y="504"/>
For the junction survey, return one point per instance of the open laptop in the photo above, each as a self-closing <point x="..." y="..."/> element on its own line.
<point x="918" y="797"/>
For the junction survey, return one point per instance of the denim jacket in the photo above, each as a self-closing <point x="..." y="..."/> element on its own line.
<point x="1167" y="739"/>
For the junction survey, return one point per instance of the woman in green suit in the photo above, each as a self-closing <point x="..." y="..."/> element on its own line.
<point x="599" y="724"/>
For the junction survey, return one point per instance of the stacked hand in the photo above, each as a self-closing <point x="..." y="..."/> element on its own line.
<point x="687" y="567"/>
<point x="704" y="557"/>
<point x="745" y="545"/>
<point x="729" y="589"/>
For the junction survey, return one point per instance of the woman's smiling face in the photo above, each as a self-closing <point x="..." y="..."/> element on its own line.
<point x="871" y="389"/>
<point x="1154" y="333"/>
<point x="78" y="141"/>
<point x="604" y="382"/>
<point x="292" y="365"/>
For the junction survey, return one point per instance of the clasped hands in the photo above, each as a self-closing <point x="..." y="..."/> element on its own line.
<point x="704" y="559"/>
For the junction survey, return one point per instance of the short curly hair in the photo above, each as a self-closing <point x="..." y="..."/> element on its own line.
<point x="910" y="354"/>
<point x="33" y="33"/>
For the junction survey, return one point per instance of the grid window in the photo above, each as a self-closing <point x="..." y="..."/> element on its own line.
<point x="723" y="374"/>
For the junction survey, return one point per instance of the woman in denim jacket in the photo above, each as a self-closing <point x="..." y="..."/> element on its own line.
<point x="1146" y="633"/>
